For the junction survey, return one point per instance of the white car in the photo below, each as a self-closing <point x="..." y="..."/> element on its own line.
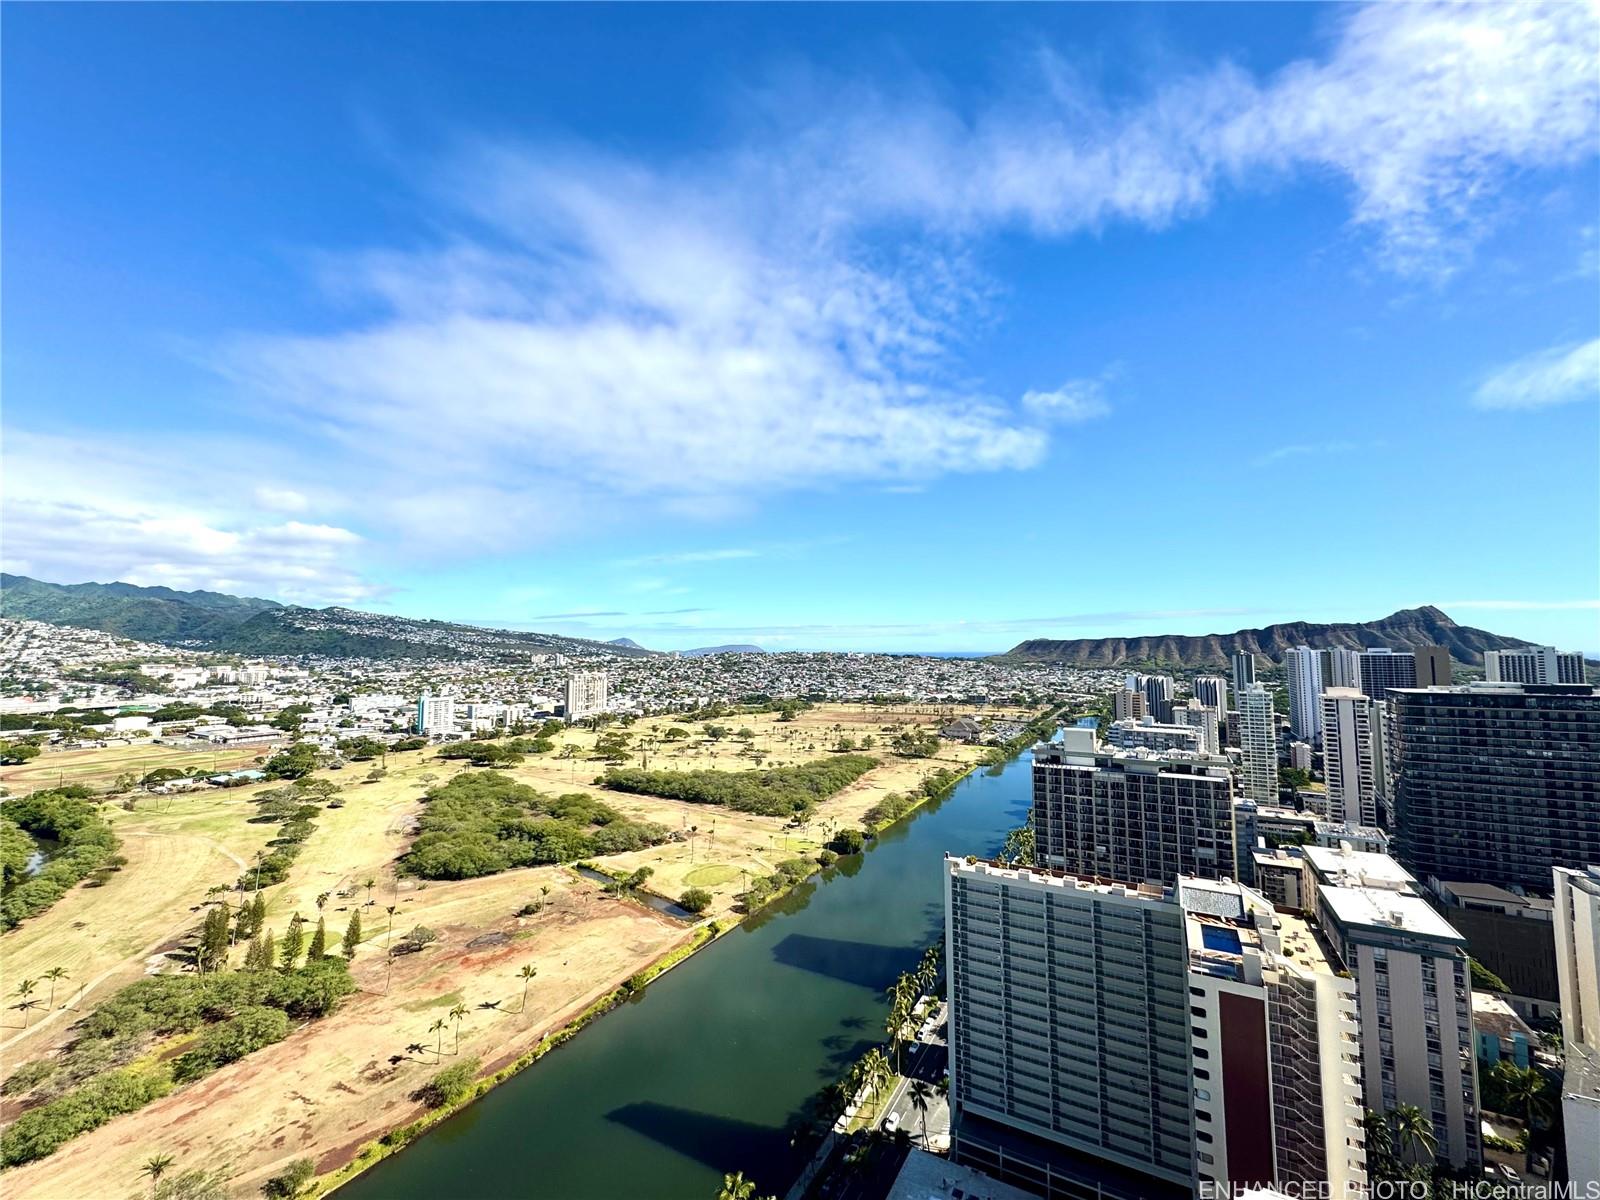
<point x="893" y="1123"/>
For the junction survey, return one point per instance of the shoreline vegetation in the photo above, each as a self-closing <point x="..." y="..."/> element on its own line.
<point x="938" y="786"/>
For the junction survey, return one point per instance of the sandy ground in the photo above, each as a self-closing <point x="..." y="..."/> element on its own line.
<point x="336" y="1083"/>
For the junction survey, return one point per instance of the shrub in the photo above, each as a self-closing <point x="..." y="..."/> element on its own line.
<point x="796" y="868"/>
<point x="230" y="1040"/>
<point x="696" y="900"/>
<point x="39" y="1131"/>
<point x="826" y="857"/>
<point x="450" y="1084"/>
<point x="891" y="808"/>
<point x="289" y="1183"/>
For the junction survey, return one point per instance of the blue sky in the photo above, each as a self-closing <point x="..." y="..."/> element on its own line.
<point x="894" y="327"/>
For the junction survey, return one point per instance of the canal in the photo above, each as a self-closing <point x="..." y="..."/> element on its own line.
<point x="708" y="1071"/>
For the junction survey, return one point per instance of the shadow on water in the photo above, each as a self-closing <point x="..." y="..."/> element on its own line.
<point x="860" y="963"/>
<point x="702" y="1136"/>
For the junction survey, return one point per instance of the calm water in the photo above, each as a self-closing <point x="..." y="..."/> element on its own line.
<point x="708" y="1071"/>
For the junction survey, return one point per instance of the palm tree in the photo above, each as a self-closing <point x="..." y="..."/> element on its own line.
<point x="736" y="1187"/>
<point x="369" y="883"/>
<point x="438" y="1046"/>
<point x="1523" y="1089"/>
<point x="526" y="974"/>
<point x="54" y="975"/>
<point x="156" y="1167"/>
<point x="25" y="987"/>
<point x="1413" y="1131"/>
<point x="25" y="1008"/>
<point x="921" y="1097"/>
<point x="456" y="1013"/>
<point x="415" y="1048"/>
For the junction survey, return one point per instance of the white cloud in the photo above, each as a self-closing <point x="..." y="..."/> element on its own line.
<point x="76" y="511"/>
<point x="1074" y="401"/>
<point x="281" y="499"/>
<point x="591" y="337"/>
<point x="679" y="557"/>
<point x="1559" y="375"/>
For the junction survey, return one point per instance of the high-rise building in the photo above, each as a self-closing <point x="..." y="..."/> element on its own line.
<point x="1533" y="664"/>
<point x="1382" y="669"/>
<point x="1433" y="667"/>
<point x="1496" y="782"/>
<point x="1203" y="718"/>
<point x="1129" y="705"/>
<point x="1146" y="734"/>
<point x="1300" y="756"/>
<point x="1413" y="993"/>
<point x="1212" y="691"/>
<point x="1577" y="918"/>
<point x="1158" y="692"/>
<point x="1069" y="1022"/>
<point x="1134" y="815"/>
<point x="1341" y="667"/>
<point x="1303" y="666"/>
<point x="586" y="694"/>
<point x="1258" y="744"/>
<point x="435" y="714"/>
<point x="1244" y="672"/>
<point x="1276" y="1039"/>
<point x="1188" y="1033"/>
<point x="1351" y="761"/>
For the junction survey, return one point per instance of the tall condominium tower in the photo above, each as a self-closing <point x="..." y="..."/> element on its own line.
<point x="1069" y="1022"/>
<point x="586" y="694"/>
<point x="1383" y="669"/>
<point x="1212" y="691"/>
<point x="1244" y="672"/>
<point x="1134" y="815"/>
<point x="1100" y="1032"/>
<point x="1433" y="667"/>
<point x="1496" y="782"/>
<point x="1158" y="691"/>
<point x="1340" y="667"/>
<point x="435" y="714"/>
<point x="1303" y="666"/>
<point x="1577" y="915"/>
<point x="1258" y="742"/>
<point x="1129" y="705"/>
<point x="1413" y="993"/>
<point x="1351" y="755"/>
<point x="1534" y="664"/>
<point x="1202" y="717"/>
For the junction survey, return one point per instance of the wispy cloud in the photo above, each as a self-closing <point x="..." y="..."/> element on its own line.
<point x="681" y="557"/>
<point x="1074" y="401"/>
<point x="1304" y="450"/>
<point x="1560" y="375"/>
<point x="788" y="311"/>
<point x="1523" y="605"/>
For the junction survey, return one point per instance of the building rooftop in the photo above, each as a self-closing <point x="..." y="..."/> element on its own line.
<point x="1362" y="868"/>
<point x="1061" y="879"/>
<point x="1488" y="893"/>
<point x="928" y="1177"/>
<point x="1387" y="909"/>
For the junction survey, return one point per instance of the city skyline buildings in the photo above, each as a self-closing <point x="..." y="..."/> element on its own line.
<point x="299" y="332"/>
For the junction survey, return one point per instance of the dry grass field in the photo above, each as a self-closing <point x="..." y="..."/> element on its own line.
<point x="344" y="1080"/>
<point x="97" y="768"/>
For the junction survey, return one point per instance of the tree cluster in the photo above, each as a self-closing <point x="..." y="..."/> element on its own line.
<point x="90" y="1081"/>
<point x="481" y="823"/>
<point x="87" y="845"/>
<point x="775" y="792"/>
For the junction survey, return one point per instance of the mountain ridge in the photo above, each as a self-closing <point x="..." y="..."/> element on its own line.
<point x="1406" y="629"/>
<point x="249" y="625"/>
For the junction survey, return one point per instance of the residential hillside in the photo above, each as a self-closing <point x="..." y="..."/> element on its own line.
<point x="1404" y="630"/>
<point x="242" y="625"/>
<point x="702" y="651"/>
